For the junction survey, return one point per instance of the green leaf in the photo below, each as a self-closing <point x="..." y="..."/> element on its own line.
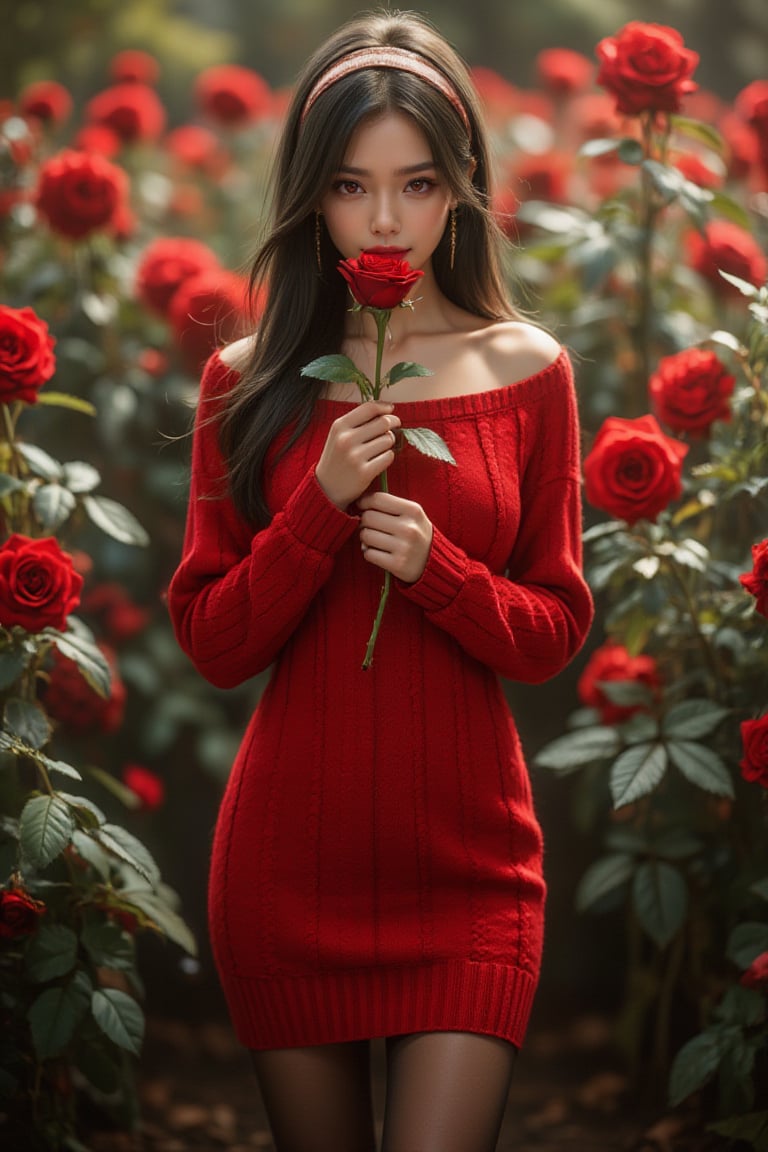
<point x="728" y="340"/>
<point x="119" y="1017"/>
<point x="750" y="1128"/>
<point x="692" y="719"/>
<point x="40" y="462"/>
<point x="336" y="369"/>
<point x="742" y="1006"/>
<point x="64" y="400"/>
<point x="28" y="721"/>
<point x="88" y="657"/>
<point x="701" y="766"/>
<point x="605" y="875"/>
<point x="743" y="286"/>
<point x="93" y="853"/>
<point x="61" y="767"/>
<point x="108" y="945"/>
<point x="599" y="147"/>
<point x="127" y="848"/>
<point x="575" y="749"/>
<point x="55" y="1014"/>
<point x="89" y="813"/>
<point x="115" y="787"/>
<point x="13" y="661"/>
<point x="746" y="942"/>
<point x="9" y="484"/>
<point x="51" y="952"/>
<point x="661" y="900"/>
<point x="631" y="151"/>
<point x="404" y="369"/>
<point x="80" y="477"/>
<point x="45" y="827"/>
<point x="428" y="443"/>
<point x="115" y="520"/>
<point x="698" y="130"/>
<point x="694" y="1066"/>
<point x="626" y="693"/>
<point x="733" y="210"/>
<point x="53" y="505"/>
<point x="161" y="914"/>
<point x="760" y="888"/>
<point x="667" y="181"/>
<point x="637" y="771"/>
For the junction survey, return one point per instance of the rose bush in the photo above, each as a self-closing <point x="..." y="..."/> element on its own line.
<point x="27" y="360"/>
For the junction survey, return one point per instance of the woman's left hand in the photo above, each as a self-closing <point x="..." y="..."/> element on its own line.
<point x="395" y="534"/>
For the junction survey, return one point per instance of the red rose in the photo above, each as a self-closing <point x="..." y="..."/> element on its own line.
<point x="754" y="739"/>
<point x="694" y="168"/>
<point x="742" y="146"/>
<point x="756" y="976"/>
<point x="612" y="662"/>
<point x="38" y="584"/>
<point x="47" y="101"/>
<point x="134" y="66"/>
<point x="26" y="354"/>
<point x="208" y="310"/>
<point x="232" y="95"/>
<point x="756" y="581"/>
<point x="543" y="177"/>
<point x="97" y="138"/>
<point x="80" y="193"/>
<point x="70" y="700"/>
<point x="728" y="247"/>
<point x="19" y="913"/>
<point x="633" y="470"/>
<point x="563" y="71"/>
<point x="165" y="265"/>
<point x="752" y="105"/>
<point x="133" y="111"/>
<point x="147" y="785"/>
<point x="117" y="615"/>
<point x="646" y="67"/>
<point x="691" y="389"/>
<point x="198" y="148"/>
<point x="499" y="98"/>
<point x="379" y="281"/>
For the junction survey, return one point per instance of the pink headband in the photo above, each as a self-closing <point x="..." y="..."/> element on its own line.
<point x="387" y="57"/>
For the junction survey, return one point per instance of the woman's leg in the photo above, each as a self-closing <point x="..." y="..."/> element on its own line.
<point x="446" y="1091"/>
<point x="318" y="1099"/>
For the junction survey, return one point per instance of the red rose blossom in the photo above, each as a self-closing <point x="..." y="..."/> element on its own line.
<point x="79" y="193"/>
<point x="499" y="97"/>
<point x="691" y="389"/>
<point x="148" y="786"/>
<point x="38" y="584"/>
<point x="197" y="148"/>
<point x="47" y="101"/>
<point x="208" y="310"/>
<point x="610" y="663"/>
<point x="633" y="470"/>
<point x="165" y="265"/>
<point x="754" y="739"/>
<point x="728" y="247"/>
<point x="563" y="71"/>
<point x="119" y="618"/>
<point x="233" y="96"/>
<point x="132" y="66"/>
<point x="646" y="67"/>
<point x="756" y="581"/>
<point x="756" y="976"/>
<point x="752" y="105"/>
<point x="19" y="913"/>
<point x="133" y="111"/>
<point x="97" y="138"/>
<point x="74" y="704"/>
<point x="377" y="280"/>
<point x="26" y="355"/>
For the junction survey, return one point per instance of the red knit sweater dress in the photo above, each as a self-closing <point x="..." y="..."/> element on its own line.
<point x="377" y="862"/>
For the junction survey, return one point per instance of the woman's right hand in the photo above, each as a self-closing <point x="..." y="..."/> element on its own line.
<point x="359" y="447"/>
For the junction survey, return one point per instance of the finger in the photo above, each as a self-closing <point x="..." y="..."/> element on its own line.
<point x="382" y="521"/>
<point x="381" y="541"/>
<point x="384" y="426"/>
<point x="363" y="413"/>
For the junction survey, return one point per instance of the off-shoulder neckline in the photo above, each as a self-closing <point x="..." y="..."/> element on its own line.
<point x="467" y="404"/>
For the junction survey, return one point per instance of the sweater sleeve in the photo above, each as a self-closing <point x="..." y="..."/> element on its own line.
<point x="236" y="595"/>
<point x="529" y="622"/>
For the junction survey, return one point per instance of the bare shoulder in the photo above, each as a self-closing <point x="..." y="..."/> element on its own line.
<point x="238" y="354"/>
<point x="515" y="350"/>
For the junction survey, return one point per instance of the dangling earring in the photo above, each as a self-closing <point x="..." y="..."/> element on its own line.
<point x="317" y="241"/>
<point x="453" y="237"/>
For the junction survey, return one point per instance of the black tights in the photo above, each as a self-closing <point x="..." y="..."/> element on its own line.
<point x="446" y="1092"/>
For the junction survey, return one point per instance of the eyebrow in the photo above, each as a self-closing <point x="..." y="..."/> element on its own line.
<point x="407" y="171"/>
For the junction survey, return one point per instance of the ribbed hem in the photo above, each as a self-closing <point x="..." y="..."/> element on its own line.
<point x="456" y="996"/>
<point x="443" y="577"/>
<point x="315" y="520"/>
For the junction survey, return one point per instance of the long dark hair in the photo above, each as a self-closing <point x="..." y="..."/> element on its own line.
<point x="305" y="311"/>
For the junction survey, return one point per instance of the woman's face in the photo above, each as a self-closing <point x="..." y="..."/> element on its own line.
<point x="388" y="194"/>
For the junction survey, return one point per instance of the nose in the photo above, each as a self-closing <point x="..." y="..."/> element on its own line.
<point x="384" y="221"/>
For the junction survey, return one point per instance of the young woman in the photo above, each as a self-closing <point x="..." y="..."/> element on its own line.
<point x="377" y="862"/>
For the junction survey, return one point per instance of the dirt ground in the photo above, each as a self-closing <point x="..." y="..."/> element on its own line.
<point x="569" y="1093"/>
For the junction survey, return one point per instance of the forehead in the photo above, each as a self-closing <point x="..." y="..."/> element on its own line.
<point x="389" y="139"/>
